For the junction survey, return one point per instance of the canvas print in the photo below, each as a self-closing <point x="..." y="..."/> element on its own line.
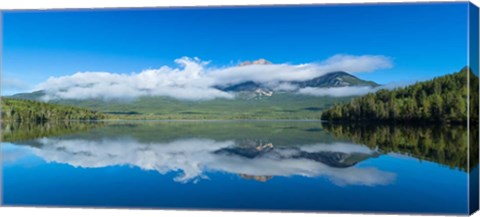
<point x="357" y="108"/>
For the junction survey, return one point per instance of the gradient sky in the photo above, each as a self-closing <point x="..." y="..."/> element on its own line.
<point x="423" y="40"/>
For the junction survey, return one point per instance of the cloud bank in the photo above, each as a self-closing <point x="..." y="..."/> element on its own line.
<point x="352" y="90"/>
<point x="194" y="79"/>
<point x="337" y="91"/>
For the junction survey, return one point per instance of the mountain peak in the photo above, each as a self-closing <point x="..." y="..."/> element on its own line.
<point x="336" y="79"/>
<point x="260" y="61"/>
<point x="339" y="73"/>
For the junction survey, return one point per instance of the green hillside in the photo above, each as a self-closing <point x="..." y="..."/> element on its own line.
<point x="277" y="106"/>
<point x="20" y="110"/>
<point x="443" y="99"/>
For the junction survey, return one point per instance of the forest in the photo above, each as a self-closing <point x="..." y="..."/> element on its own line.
<point x="20" y="110"/>
<point x="441" y="100"/>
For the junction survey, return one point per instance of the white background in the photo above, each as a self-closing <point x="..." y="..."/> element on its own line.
<point x="52" y="212"/>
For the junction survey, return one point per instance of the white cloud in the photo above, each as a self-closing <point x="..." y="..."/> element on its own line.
<point x="188" y="82"/>
<point x="194" y="80"/>
<point x="337" y="91"/>
<point x="356" y="64"/>
<point x="193" y="158"/>
<point x="281" y="86"/>
<point x="350" y="90"/>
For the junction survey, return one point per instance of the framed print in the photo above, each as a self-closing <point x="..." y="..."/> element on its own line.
<point x="351" y="108"/>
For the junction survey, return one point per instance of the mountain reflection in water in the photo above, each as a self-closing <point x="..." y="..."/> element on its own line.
<point x="193" y="157"/>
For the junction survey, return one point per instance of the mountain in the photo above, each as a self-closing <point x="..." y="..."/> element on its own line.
<point x="332" y="79"/>
<point x="334" y="159"/>
<point x="255" y="90"/>
<point x="442" y="99"/>
<point x="335" y="79"/>
<point x="244" y="86"/>
<point x="253" y="101"/>
<point x="36" y="95"/>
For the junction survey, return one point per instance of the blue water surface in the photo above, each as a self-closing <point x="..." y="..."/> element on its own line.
<point x="121" y="170"/>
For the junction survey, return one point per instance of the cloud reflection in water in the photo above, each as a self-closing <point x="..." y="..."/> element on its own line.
<point x="193" y="158"/>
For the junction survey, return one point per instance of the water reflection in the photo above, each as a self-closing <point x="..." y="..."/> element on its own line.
<point x="237" y="165"/>
<point x="24" y="131"/>
<point x="193" y="158"/>
<point x="256" y="151"/>
<point x="446" y="145"/>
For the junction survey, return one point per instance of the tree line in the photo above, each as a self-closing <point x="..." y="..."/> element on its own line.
<point x="21" y="110"/>
<point x="443" y="99"/>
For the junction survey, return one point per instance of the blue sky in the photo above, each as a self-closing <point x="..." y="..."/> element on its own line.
<point x="423" y="40"/>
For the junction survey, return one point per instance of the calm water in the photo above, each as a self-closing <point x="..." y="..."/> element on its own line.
<point x="236" y="165"/>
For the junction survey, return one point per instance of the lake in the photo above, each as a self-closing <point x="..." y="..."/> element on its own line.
<point x="237" y="165"/>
